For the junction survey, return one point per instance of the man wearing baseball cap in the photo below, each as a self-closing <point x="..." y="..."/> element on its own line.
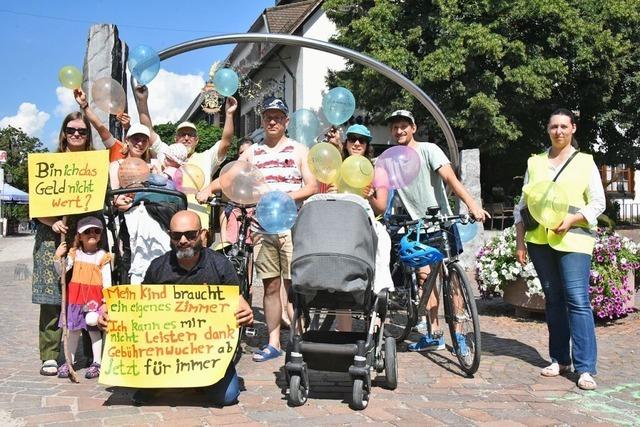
<point x="187" y="134"/>
<point x="427" y="190"/>
<point x="283" y="163"/>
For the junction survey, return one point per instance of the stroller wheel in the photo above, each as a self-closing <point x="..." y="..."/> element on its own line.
<point x="297" y="392"/>
<point x="390" y="363"/>
<point x="360" y="398"/>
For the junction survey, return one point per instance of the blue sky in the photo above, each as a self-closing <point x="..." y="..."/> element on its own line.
<point x="39" y="37"/>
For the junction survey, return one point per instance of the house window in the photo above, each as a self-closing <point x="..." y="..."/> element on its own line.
<point x="618" y="180"/>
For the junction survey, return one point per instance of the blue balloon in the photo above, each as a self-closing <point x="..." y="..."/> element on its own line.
<point x="303" y="126"/>
<point x="467" y="231"/>
<point x="338" y="105"/>
<point x="226" y="81"/>
<point x="144" y="64"/>
<point x="276" y="212"/>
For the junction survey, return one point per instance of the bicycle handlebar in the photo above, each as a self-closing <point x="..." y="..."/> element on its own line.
<point x="217" y="201"/>
<point x="431" y="219"/>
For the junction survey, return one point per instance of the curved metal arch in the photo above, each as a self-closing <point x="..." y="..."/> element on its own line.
<point x="290" y="40"/>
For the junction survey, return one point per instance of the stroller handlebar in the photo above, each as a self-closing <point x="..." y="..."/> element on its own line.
<point x="149" y="189"/>
<point x="401" y="221"/>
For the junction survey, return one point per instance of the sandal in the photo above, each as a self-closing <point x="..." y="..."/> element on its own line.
<point x="555" y="369"/>
<point x="267" y="353"/>
<point x="586" y="382"/>
<point x="93" y="371"/>
<point x="63" y="371"/>
<point x="49" y="368"/>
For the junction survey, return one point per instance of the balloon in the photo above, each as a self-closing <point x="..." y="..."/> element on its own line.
<point x="143" y="63"/>
<point x="242" y="182"/>
<point x="356" y="171"/>
<point x="108" y="95"/>
<point x="399" y="166"/>
<point x="192" y="178"/>
<point x="467" y="231"/>
<point x="324" y="161"/>
<point x="548" y="203"/>
<point x="276" y="212"/>
<point x="303" y="126"/>
<point x="343" y="187"/>
<point x="132" y="172"/>
<point x="226" y="81"/>
<point x="338" y="105"/>
<point x="70" y="77"/>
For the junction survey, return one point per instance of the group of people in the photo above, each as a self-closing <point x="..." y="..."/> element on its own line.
<point x="561" y="256"/>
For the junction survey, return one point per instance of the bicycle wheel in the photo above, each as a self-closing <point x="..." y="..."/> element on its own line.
<point x="464" y="324"/>
<point x="402" y="308"/>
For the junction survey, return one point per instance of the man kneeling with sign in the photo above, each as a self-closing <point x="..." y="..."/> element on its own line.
<point x="180" y="327"/>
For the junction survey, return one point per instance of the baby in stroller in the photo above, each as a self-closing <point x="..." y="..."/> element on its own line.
<point x="334" y="272"/>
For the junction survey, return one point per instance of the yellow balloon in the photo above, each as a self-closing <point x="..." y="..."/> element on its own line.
<point x="192" y="178"/>
<point x="324" y="161"/>
<point x="343" y="187"/>
<point x="356" y="171"/>
<point x="70" y="77"/>
<point x="548" y="203"/>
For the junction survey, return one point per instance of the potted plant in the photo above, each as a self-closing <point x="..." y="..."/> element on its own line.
<point x="611" y="284"/>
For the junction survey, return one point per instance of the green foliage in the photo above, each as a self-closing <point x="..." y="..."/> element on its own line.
<point x="18" y="145"/>
<point x="498" y="68"/>
<point x="208" y="134"/>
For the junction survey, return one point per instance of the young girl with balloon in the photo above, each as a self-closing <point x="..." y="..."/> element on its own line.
<point x="560" y="244"/>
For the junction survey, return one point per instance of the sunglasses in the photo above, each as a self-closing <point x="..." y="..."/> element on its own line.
<point x="81" y="131"/>
<point x="190" y="235"/>
<point x="94" y="230"/>
<point x="361" y="139"/>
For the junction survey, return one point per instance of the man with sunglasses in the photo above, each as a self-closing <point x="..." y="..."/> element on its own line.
<point x="428" y="189"/>
<point x="189" y="262"/>
<point x="187" y="134"/>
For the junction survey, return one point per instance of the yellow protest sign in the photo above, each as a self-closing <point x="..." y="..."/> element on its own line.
<point x="67" y="183"/>
<point x="163" y="336"/>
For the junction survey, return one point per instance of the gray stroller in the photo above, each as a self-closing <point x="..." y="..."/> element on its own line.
<point x="334" y="247"/>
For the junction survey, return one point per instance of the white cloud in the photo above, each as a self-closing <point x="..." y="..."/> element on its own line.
<point x="169" y="96"/>
<point x="66" y="102"/>
<point x="28" y="118"/>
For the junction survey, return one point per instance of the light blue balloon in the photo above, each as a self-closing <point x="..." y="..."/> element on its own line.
<point x="144" y="64"/>
<point x="303" y="126"/>
<point x="226" y="81"/>
<point x="276" y="212"/>
<point x="467" y="231"/>
<point x="338" y="105"/>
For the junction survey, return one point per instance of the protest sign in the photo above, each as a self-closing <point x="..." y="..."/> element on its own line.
<point x="163" y="336"/>
<point x="67" y="183"/>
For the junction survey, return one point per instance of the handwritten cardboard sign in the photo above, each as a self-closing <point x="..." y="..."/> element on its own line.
<point x="67" y="183"/>
<point x="169" y="335"/>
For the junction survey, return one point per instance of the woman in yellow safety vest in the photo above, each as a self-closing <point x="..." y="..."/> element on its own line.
<point x="562" y="256"/>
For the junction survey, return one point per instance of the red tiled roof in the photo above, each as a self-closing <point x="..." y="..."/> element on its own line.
<point x="286" y="18"/>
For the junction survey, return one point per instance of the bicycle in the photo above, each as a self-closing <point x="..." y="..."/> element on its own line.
<point x="408" y="301"/>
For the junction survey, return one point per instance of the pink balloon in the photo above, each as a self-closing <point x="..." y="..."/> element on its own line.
<point x="397" y="167"/>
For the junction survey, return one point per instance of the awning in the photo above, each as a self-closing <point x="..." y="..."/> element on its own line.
<point x="12" y="194"/>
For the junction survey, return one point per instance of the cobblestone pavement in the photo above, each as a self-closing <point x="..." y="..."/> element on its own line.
<point x="432" y="391"/>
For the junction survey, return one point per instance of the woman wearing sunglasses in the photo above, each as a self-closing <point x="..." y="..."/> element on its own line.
<point x="75" y="136"/>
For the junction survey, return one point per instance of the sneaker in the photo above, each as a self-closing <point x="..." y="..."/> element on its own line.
<point x="63" y="371"/>
<point x="462" y="345"/>
<point x="428" y="343"/>
<point x="93" y="371"/>
<point x="421" y="327"/>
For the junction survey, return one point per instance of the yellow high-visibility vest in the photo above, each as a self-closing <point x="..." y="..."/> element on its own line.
<point x="574" y="180"/>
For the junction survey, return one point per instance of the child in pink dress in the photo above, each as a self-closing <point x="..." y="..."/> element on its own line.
<point x="91" y="273"/>
<point x="175" y="156"/>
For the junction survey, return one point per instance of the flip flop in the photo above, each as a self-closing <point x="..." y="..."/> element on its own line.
<point x="49" y="368"/>
<point x="267" y="353"/>
<point x="586" y="382"/>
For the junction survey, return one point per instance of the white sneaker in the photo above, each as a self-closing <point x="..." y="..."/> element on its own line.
<point x="421" y="327"/>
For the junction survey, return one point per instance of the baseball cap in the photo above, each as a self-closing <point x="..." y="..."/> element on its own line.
<point x="89" y="222"/>
<point x="403" y="114"/>
<point x="359" y="130"/>
<point x="186" y="125"/>
<point x="138" y="128"/>
<point x="273" y="103"/>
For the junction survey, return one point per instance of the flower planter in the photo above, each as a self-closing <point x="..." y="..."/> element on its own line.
<point x="515" y="294"/>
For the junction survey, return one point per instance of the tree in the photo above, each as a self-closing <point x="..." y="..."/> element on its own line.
<point x="498" y="68"/>
<point x="18" y="145"/>
<point x="208" y="134"/>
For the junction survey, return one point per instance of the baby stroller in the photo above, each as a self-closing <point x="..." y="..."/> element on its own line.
<point x="334" y="246"/>
<point x="141" y="233"/>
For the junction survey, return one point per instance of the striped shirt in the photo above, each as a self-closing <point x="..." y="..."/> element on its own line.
<point x="279" y="165"/>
